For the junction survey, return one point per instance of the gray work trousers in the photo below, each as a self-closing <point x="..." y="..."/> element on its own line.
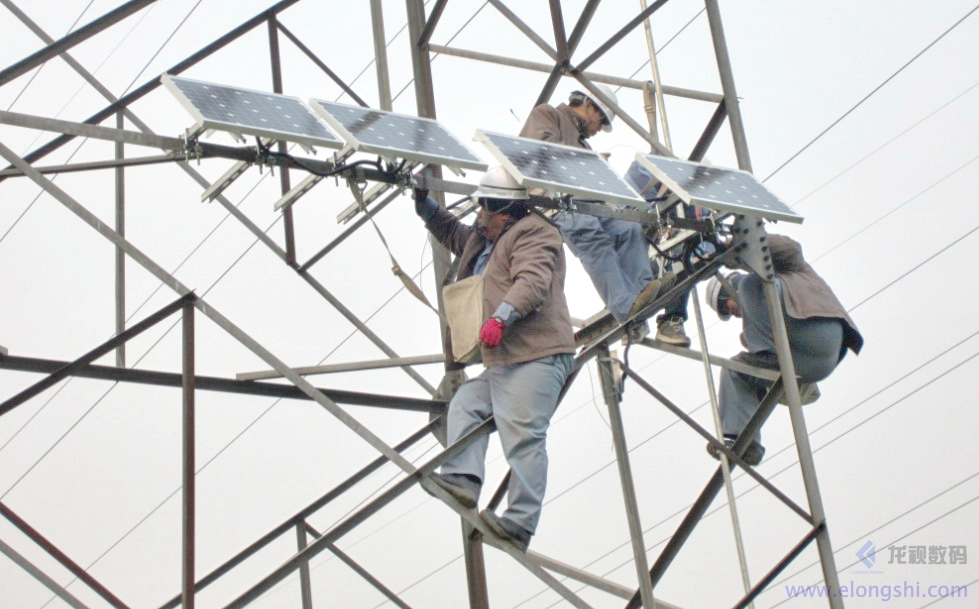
<point x="522" y="398"/>
<point x="615" y="255"/>
<point x="816" y="345"/>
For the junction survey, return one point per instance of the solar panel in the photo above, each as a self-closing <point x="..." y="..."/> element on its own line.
<point x="729" y="190"/>
<point x="397" y="135"/>
<point x="560" y="169"/>
<point x="243" y="111"/>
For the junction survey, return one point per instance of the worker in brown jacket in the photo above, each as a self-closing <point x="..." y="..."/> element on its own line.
<point x="819" y="329"/>
<point x="527" y="346"/>
<point x="614" y="252"/>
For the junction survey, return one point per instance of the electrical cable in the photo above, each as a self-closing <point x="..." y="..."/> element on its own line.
<point x="884" y="145"/>
<point x="83" y="141"/>
<point x="37" y="72"/>
<point x="873" y="531"/>
<point x="892" y="542"/>
<point x="869" y="95"/>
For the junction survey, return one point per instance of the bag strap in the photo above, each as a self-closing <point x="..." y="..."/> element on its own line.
<point x="409" y="283"/>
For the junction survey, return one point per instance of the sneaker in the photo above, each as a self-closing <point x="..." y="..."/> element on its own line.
<point x="507" y="530"/>
<point x="670" y="331"/>
<point x="649" y="293"/>
<point x="752" y="456"/>
<point x="461" y="488"/>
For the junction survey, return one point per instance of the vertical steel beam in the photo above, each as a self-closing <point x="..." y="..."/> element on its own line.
<point x="421" y="62"/>
<point x="284" y="182"/>
<point x="305" y="585"/>
<point x="612" y="399"/>
<point x="381" y="55"/>
<point x="784" y="350"/>
<point x="472" y="542"/>
<point x="120" y="176"/>
<point x="189" y="458"/>
<point x="727" y="84"/>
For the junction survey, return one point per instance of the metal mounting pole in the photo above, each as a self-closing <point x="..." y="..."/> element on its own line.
<point x="120" y="176"/>
<point x="727" y="84"/>
<point x="189" y="461"/>
<point x="381" y="55"/>
<point x="787" y="366"/>
<point x="305" y="586"/>
<point x="284" y="181"/>
<point x="612" y="399"/>
<point x="719" y="432"/>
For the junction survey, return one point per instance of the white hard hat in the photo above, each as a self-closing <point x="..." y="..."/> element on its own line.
<point x="715" y="292"/>
<point x="497" y="183"/>
<point x="602" y="106"/>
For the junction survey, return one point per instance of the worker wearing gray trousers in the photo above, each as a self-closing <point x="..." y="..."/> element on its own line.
<point x="819" y="330"/>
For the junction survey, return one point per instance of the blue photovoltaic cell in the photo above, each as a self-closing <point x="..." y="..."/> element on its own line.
<point x="397" y="135"/>
<point x="560" y="169"/>
<point x="280" y="117"/>
<point x="729" y="190"/>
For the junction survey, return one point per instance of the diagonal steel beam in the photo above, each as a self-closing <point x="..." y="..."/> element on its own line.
<point x="106" y="347"/>
<point x="710" y="492"/>
<point x="264" y="238"/>
<point x="430" y="23"/>
<point x="560" y="36"/>
<point x="40" y="576"/>
<point x="526" y="29"/>
<point x="611" y="42"/>
<point x="61" y="557"/>
<point x="223" y="322"/>
<point x="301" y="516"/>
<point x="364" y="573"/>
<point x="80" y="35"/>
<point x="319" y="63"/>
<point x="579" y="30"/>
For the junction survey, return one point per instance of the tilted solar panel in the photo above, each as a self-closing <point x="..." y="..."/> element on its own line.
<point x="730" y="190"/>
<point x="560" y="169"/>
<point x="397" y="135"/>
<point x="247" y="112"/>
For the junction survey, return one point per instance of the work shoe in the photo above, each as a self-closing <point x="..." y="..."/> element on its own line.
<point x="652" y="290"/>
<point x="670" y="331"/>
<point x="635" y="332"/>
<point x="462" y="489"/>
<point x="507" y="530"/>
<point x="752" y="456"/>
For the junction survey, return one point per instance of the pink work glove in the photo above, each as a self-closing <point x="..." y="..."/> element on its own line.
<point x="492" y="332"/>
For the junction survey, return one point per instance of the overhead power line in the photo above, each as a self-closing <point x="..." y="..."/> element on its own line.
<point x="869" y="95"/>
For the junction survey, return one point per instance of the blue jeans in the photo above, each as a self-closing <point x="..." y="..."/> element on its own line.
<point x="816" y="345"/>
<point x="615" y="255"/>
<point x="521" y="398"/>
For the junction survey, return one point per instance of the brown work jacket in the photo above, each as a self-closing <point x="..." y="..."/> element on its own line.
<point x="805" y="293"/>
<point x="560" y="125"/>
<point x="526" y="269"/>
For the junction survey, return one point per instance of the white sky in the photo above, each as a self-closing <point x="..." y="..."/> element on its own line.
<point x="888" y="198"/>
